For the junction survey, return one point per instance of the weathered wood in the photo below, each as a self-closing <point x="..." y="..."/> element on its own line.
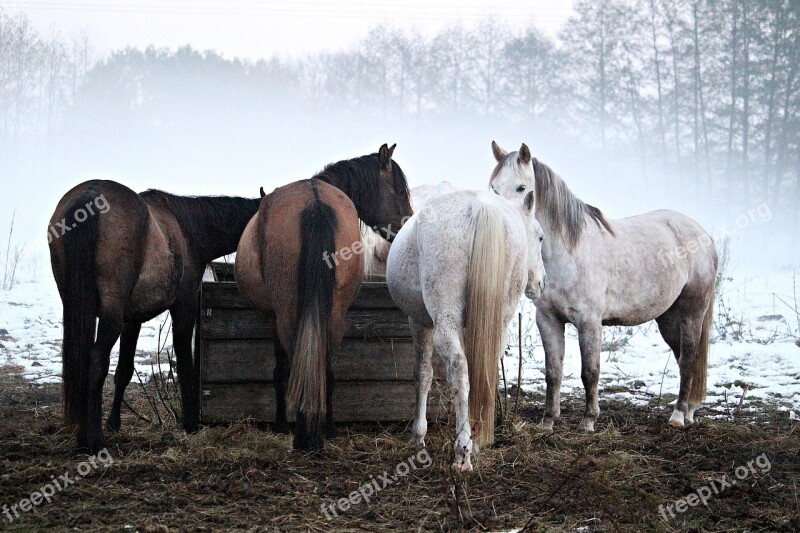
<point x="374" y="367"/>
<point x="376" y="401"/>
<point x="373" y="324"/>
<point x="248" y="361"/>
<point x="225" y="295"/>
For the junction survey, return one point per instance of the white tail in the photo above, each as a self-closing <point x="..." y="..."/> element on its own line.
<point x="484" y="318"/>
<point x="307" y="380"/>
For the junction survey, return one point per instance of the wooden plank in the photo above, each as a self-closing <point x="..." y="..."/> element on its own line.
<point x="358" y="402"/>
<point x="225" y="295"/>
<point x="248" y="361"/>
<point x="374" y="324"/>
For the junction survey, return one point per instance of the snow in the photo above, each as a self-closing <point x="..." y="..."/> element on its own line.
<point x="31" y="314"/>
<point x="755" y="349"/>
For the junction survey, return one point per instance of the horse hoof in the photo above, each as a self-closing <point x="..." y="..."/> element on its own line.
<point x="281" y="427"/>
<point x="308" y="445"/>
<point x="586" y="427"/>
<point x="113" y="424"/>
<point x="417" y="441"/>
<point x="96" y="443"/>
<point x="331" y="431"/>
<point x="192" y="427"/>
<point x="676" y="420"/>
<point x="547" y="424"/>
<point x="462" y="466"/>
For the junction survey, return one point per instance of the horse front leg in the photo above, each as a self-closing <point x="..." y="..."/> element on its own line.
<point x="124" y="371"/>
<point x="182" y="331"/>
<point x="447" y="343"/>
<point x="551" y="330"/>
<point x="590" y="334"/>
<point x="423" y="376"/>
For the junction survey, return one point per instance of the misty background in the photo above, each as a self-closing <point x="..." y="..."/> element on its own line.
<point x="637" y="104"/>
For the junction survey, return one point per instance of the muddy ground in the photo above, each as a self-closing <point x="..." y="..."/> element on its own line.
<point x="243" y="477"/>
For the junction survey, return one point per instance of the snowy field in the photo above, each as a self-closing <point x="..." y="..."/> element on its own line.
<point x="755" y="346"/>
<point x="30" y="333"/>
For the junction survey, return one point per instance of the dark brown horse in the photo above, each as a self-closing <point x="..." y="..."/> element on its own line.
<point x="299" y="259"/>
<point x="124" y="258"/>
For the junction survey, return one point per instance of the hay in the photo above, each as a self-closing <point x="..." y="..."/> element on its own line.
<point x="241" y="477"/>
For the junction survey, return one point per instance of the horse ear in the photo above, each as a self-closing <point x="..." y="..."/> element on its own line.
<point x="261" y="190"/>
<point x="391" y="150"/>
<point x="385" y="155"/>
<point x="498" y="152"/>
<point x="528" y="203"/>
<point x="524" y="154"/>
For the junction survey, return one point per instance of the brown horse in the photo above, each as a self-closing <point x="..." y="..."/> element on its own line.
<point x="299" y="259"/>
<point x="124" y="258"/>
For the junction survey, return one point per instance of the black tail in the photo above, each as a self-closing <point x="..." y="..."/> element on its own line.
<point x="316" y="281"/>
<point x="80" y="308"/>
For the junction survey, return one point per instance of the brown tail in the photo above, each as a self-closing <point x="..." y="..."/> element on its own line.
<point x="316" y="281"/>
<point x="698" y="391"/>
<point x="483" y="333"/>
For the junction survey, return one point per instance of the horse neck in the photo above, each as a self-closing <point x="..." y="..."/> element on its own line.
<point x="553" y="245"/>
<point x="558" y="209"/>
<point x="218" y="234"/>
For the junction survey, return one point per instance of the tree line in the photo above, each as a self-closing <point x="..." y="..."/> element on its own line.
<point x="704" y="91"/>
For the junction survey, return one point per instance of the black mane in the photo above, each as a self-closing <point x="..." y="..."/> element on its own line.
<point x="358" y="178"/>
<point x="214" y="223"/>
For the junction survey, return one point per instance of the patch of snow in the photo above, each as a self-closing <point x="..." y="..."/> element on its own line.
<point x="32" y="315"/>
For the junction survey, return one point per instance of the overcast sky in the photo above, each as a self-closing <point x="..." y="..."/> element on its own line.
<point x="256" y="29"/>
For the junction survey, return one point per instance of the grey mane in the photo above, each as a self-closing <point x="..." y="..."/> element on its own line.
<point x="565" y="213"/>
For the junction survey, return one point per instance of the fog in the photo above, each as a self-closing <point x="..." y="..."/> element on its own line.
<point x="711" y="134"/>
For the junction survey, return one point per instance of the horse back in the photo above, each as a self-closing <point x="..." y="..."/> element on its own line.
<point x="636" y="274"/>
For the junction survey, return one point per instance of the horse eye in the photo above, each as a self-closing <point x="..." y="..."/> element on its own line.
<point x="541" y="239"/>
<point x="521" y="188"/>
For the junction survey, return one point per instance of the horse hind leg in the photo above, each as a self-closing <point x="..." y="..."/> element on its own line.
<point x="447" y="343"/>
<point x="108" y="331"/>
<point x="124" y="372"/>
<point x="682" y="333"/>
<point x="423" y="377"/>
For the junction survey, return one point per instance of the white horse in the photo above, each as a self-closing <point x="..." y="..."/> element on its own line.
<point x="457" y="268"/>
<point x="660" y="265"/>
<point x="376" y="248"/>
